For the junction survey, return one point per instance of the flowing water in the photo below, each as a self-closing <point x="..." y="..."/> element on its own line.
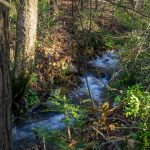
<point x="91" y="86"/>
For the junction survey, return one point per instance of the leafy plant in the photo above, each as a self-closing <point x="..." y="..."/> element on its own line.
<point x="107" y="39"/>
<point x="31" y="95"/>
<point x="137" y="102"/>
<point x="137" y="106"/>
<point x="31" y="98"/>
<point x="54" y="138"/>
<point x="33" y="78"/>
<point x="64" y="105"/>
<point x="46" y="22"/>
<point x="128" y="20"/>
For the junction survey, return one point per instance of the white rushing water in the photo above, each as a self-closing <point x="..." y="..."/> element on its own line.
<point x="49" y="123"/>
<point x="107" y="61"/>
<point x="24" y="132"/>
<point x="92" y="86"/>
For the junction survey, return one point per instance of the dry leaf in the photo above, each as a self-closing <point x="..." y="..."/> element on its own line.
<point x="112" y="127"/>
<point x="105" y="106"/>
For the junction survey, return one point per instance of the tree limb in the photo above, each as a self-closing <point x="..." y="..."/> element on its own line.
<point x="126" y="7"/>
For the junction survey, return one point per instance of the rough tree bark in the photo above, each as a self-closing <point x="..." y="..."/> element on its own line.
<point x="5" y="90"/>
<point x="25" y="37"/>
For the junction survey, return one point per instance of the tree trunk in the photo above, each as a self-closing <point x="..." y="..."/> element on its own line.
<point x="25" y="37"/>
<point x="72" y="8"/>
<point x="138" y="4"/>
<point x="5" y="90"/>
<point x="81" y="3"/>
<point x="96" y="4"/>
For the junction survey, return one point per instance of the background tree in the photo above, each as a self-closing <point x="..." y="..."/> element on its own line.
<point x="5" y="90"/>
<point x="96" y="4"/>
<point x="26" y="29"/>
<point x="25" y="36"/>
<point x="138" y="4"/>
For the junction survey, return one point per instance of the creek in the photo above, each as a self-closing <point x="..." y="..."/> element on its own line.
<point x="92" y="84"/>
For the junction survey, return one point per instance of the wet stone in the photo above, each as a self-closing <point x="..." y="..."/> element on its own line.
<point x="106" y="60"/>
<point x="102" y="75"/>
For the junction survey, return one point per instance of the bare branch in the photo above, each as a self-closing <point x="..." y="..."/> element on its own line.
<point x="126" y="7"/>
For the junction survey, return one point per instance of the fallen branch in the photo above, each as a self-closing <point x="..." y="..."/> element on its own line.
<point x="106" y="139"/>
<point x="115" y="140"/>
<point x="102" y="135"/>
<point x="128" y="128"/>
<point x="113" y="118"/>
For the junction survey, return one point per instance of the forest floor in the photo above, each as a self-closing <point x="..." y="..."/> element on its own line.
<point x="53" y="60"/>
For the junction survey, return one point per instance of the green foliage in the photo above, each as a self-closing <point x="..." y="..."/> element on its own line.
<point x="64" y="105"/>
<point x="33" y="78"/>
<point x="134" y="82"/>
<point x="127" y="20"/>
<point x="143" y="135"/>
<point x="19" y="87"/>
<point x="135" y="69"/>
<point x="137" y="102"/>
<point x="31" y="98"/>
<point x="136" y="105"/>
<point x="31" y="95"/>
<point x="134" y="78"/>
<point x="46" y="22"/>
<point x="141" y="68"/>
<point x="13" y="15"/>
<point x="55" y="138"/>
<point x="107" y="39"/>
